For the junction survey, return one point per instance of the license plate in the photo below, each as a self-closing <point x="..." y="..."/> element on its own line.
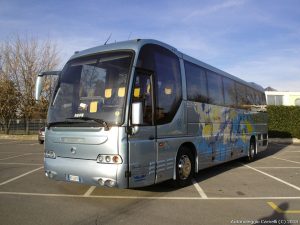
<point x="73" y="178"/>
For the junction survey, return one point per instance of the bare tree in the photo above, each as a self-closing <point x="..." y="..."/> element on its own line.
<point x="22" y="58"/>
<point x="9" y="101"/>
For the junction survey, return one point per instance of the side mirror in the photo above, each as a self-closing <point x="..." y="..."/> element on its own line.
<point x="137" y="113"/>
<point x="40" y="80"/>
<point x="38" y="87"/>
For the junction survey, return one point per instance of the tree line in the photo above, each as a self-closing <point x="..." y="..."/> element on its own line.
<point x="22" y="58"/>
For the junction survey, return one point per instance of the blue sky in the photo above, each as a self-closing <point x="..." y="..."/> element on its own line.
<point x="256" y="40"/>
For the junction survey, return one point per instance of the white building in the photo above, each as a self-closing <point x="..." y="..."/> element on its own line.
<point x="283" y="98"/>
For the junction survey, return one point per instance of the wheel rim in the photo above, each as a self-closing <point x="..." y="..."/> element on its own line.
<point x="184" y="167"/>
<point x="252" y="151"/>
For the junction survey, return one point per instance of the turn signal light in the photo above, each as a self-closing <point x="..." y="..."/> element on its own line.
<point x="109" y="159"/>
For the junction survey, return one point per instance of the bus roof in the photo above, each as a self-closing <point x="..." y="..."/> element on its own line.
<point x="138" y="43"/>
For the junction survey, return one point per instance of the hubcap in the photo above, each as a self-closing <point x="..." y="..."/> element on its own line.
<point x="252" y="150"/>
<point x="184" y="167"/>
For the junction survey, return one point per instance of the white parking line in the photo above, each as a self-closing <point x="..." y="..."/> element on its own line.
<point x="273" y="177"/>
<point x="286" y="160"/>
<point x="16" y="156"/>
<point x="199" y="189"/>
<point x="23" y="164"/>
<point x="10" y="142"/>
<point x="146" y="197"/>
<point x="22" y="175"/>
<point x="89" y="192"/>
<point x="278" y="167"/>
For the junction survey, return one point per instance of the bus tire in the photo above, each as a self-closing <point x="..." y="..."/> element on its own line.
<point x="252" y="151"/>
<point x="185" y="167"/>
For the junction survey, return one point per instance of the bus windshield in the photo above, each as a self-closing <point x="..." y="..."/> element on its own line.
<point x="93" y="87"/>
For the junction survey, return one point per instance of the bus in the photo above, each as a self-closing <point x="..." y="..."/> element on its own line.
<point x="136" y="113"/>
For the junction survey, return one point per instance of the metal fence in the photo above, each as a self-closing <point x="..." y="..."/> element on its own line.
<point x="18" y="126"/>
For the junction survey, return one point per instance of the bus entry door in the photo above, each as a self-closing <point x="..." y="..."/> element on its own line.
<point x="142" y="142"/>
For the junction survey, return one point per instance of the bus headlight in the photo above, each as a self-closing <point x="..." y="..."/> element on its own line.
<point x="109" y="159"/>
<point x="50" y="154"/>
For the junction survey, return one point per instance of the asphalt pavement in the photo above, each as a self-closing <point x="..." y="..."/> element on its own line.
<point x="266" y="191"/>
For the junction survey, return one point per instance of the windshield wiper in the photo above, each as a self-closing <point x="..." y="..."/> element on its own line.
<point x="57" y="123"/>
<point x="86" y="118"/>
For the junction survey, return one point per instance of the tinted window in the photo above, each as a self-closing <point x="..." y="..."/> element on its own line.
<point x="196" y="83"/>
<point x="241" y="95"/>
<point x="229" y="92"/>
<point x="168" y="91"/>
<point x="215" y="89"/>
<point x="142" y="92"/>
<point x="250" y="96"/>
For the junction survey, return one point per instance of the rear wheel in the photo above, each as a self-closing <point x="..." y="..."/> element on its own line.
<point x="252" y="151"/>
<point x="185" y="167"/>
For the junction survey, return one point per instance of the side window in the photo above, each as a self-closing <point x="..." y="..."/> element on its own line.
<point x="229" y="92"/>
<point x="241" y="95"/>
<point x="166" y="70"/>
<point x="215" y="88"/>
<point x="251" y="96"/>
<point x="196" y="83"/>
<point x="142" y="92"/>
<point x="168" y="86"/>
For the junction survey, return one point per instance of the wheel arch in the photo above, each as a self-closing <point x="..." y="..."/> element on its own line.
<point x="193" y="150"/>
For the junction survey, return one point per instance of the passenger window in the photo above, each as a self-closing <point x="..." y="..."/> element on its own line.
<point x="229" y="92"/>
<point x="215" y="89"/>
<point x="168" y="86"/>
<point x="166" y="69"/>
<point x="250" y="96"/>
<point x="241" y="95"/>
<point x="196" y="83"/>
<point x="142" y="92"/>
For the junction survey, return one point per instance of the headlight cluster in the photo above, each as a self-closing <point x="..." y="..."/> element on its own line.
<point x="50" y="154"/>
<point x="109" y="159"/>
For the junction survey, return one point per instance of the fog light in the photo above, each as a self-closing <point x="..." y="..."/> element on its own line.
<point x="50" y="154"/>
<point x="101" y="182"/>
<point x="110" y="183"/>
<point x="50" y="174"/>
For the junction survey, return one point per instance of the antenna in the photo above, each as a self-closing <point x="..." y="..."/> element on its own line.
<point x="129" y="35"/>
<point x="108" y="39"/>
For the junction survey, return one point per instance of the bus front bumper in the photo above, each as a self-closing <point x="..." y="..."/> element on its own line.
<point x="86" y="172"/>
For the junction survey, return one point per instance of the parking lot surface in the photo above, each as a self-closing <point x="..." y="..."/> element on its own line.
<point x="266" y="191"/>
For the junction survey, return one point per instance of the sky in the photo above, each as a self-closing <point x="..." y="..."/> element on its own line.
<point x="255" y="40"/>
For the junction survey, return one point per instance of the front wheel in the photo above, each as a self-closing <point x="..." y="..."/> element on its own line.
<point x="185" y="167"/>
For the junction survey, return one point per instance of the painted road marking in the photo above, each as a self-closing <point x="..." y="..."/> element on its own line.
<point x="20" y="176"/>
<point x="279" y="210"/>
<point x="5" y="143"/>
<point x="147" y="197"/>
<point x="199" y="189"/>
<point x="89" y="192"/>
<point x="279" y="167"/>
<point x="273" y="177"/>
<point x="286" y="160"/>
<point x="16" y="156"/>
<point x="23" y="164"/>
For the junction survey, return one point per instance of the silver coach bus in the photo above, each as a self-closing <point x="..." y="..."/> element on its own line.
<point x="136" y="113"/>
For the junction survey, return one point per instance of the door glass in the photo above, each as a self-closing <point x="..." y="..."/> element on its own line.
<point x="142" y="92"/>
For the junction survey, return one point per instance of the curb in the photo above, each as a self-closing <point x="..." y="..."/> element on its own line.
<point x="284" y="140"/>
<point x="19" y="137"/>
